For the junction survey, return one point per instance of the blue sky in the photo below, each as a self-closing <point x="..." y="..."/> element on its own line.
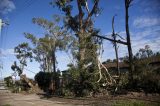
<point x="144" y="27"/>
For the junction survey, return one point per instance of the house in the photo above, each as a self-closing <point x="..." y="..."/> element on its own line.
<point x="153" y="61"/>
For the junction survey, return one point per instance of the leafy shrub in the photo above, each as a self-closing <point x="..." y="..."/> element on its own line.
<point x="44" y="79"/>
<point x="82" y="82"/>
<point x="9" y="82"/>
<point x="147" y="79"/>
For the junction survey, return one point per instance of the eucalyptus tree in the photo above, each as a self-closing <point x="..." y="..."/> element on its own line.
<point x="55" y="38"/>
<point x="145" y="52"/>
<point x="23" y="53"/>
<point x="81" y="24"/>
<point x="44" y="48"/>
<point x="79" y="19"/>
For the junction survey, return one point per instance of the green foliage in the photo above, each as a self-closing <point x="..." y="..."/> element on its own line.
<point x="123" y="83"/>
<point x="84" y="47"/>
<point x="8" y="80"/>
<point x="6" y="105"/>
<point x="23" y="51"/>
<point x="16" y="86"/>
<point x="19" y="86"/>
<point x="44" y="79"/>
<point x="82" y="82"/>
<point x="144" y="52"/>
<point x="134" y="103"/>
<point x="147" y="79"/>
<point x="146" y="75"/>
<point x="44" y="48"/>
<point x="16" y="68"/>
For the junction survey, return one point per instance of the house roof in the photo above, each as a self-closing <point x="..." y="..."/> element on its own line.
<point x="114" y="64"/>
<point x="150" y="60"/>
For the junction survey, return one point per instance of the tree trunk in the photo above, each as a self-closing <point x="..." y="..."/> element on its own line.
<point x="54" y="61"/>
<point x="117" y="60"/>
<point x="115" y="46"/>
<point x="81" y="50"/>
<point x="128" y="40"/>
<point x="34" y="87"/>
<point x="53" y="80"/>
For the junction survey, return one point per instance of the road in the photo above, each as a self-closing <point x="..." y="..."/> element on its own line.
<point x="13" y="99"/>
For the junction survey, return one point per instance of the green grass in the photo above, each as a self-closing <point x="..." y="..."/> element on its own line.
<point x="134" y="103"/>
<point x="6" y="105"/>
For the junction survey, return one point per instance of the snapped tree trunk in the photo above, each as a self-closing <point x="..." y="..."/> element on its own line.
<point x="117" y="60"/>
<point x="34" y="87"/>
<point x="115" y="46"/>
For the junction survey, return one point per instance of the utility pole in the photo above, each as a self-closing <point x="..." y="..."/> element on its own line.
<point x="2" y="23"/>
<point x="1" y="65"/>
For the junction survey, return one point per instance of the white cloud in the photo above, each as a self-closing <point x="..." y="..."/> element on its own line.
<point x="148" y="36"/>
<point x="142" y="22"/>
<point x="149" y="6"/>
<point x="6" y="52"/>
<point x="6" y="6"/>
<point x="109" y="51"/>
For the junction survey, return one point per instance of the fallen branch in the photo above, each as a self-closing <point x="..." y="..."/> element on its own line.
<point x="111" y="79"/>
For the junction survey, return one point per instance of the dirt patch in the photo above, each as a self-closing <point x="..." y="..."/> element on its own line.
<point x="13" y="99"/>
<point x="107" y="100"/>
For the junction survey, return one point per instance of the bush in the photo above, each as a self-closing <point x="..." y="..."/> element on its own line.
<point x="44" y="79"/>
<point x="147" y="79"/>
<point x="17" y="86"/>
<point x="9" y="82"/>
<point x="82" y="83"/>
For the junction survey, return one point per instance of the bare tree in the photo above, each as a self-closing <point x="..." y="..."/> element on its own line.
<point x="127" y="5"/>
<point x="114" y="35"/>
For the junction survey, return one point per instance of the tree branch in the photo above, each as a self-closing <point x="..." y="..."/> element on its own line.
<point x="86" y="5"/>
<point x="80" y="13"/>
<point x="112" y="40"/>
<point x="91" y="13"/>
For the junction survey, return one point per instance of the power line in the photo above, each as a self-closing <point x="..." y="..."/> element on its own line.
<point x="30" y="71"/>
<point x="24" y="68"/>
